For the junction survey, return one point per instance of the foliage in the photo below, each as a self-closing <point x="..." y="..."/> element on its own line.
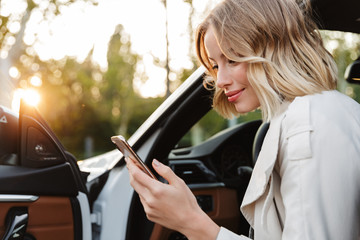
<point x="117" y="87"/>
<point x="86" y="103"/>
<point x="345" y="48"/>
<point x="81" y="102"/>
<point x="71" y="106"/>
<point x="48" y="9"/>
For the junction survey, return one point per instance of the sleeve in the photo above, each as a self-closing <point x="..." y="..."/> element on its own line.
<point x="318" y="189"/>
<point x="225" y="234"/>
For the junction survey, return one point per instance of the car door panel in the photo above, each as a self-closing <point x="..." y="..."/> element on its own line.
<point x="54" y="180"/>
<point x="49" y="217"/>
<point x="223" y="201"/>
<point x="41" y="183"/>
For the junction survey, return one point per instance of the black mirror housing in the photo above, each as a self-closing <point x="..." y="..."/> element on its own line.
<point x="352" y="73"/>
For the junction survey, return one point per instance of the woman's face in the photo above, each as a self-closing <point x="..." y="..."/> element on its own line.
<point x="231" y="76"/>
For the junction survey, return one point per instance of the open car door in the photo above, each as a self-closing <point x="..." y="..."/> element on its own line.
<point x="42" y="192"/>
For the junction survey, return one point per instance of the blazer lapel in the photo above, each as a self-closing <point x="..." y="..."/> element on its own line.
<point x="263" y="168"/>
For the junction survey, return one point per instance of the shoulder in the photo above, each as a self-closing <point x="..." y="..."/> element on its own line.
<point x="311" y="119"/>
<point x="329" y="106"/>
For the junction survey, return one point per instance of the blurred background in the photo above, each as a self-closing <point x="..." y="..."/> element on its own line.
<point x="97" y="68"/>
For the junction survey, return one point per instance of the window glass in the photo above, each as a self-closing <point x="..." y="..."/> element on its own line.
<point x="210" y="124"/>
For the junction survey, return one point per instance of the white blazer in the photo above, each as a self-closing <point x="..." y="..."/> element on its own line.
<point x="306" y="182"/>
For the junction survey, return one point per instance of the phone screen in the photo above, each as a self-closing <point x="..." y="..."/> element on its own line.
<point x="129" y="153"/>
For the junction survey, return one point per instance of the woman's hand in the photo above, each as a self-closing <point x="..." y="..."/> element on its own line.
<point x="171" y="205"/>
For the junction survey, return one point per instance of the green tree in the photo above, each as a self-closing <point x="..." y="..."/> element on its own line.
<point x="71" y="100"/>
<point x="117" y="88"/>
<point x="79" y="100"/>
<point x="84" y="103"/>
<point x="345" y="48"/>
<point x="12" y="47"/>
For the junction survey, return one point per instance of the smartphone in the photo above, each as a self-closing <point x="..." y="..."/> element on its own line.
<point x="128" y="152"/>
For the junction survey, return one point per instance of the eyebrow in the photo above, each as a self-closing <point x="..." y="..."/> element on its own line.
<point x="222" y="56"/>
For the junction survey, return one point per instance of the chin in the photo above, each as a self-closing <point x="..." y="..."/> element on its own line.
<point x="245" y="109"/>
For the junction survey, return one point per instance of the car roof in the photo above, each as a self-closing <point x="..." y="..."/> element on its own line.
<point x="341" y="15"/>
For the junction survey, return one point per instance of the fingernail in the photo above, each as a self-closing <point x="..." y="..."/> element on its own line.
<point x="156" y="162"/>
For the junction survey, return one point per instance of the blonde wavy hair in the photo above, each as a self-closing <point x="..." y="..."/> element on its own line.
<point x="281" y="44"/>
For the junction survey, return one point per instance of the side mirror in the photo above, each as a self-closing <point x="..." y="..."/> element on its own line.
<point x="352" y="73"/>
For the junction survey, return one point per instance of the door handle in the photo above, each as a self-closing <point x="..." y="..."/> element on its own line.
<point x="16" y="223"/>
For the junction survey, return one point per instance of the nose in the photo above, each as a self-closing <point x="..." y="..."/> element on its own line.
<point x="222" y="78"/>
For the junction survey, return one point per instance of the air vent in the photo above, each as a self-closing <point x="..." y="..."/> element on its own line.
<point x="192" y="171"/>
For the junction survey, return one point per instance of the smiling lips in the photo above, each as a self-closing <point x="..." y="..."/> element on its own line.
<point x="234" y="95"/>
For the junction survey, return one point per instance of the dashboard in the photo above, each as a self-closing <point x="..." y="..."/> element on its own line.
<point x="224" y="158"/>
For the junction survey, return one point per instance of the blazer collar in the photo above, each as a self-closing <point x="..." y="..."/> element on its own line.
<point x="264" y="165"/>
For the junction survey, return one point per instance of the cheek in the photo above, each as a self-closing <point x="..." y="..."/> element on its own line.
<point x="244" y="75"/>
<point x="253" y="97"/>
<point x="256" y="102"/>
<point x="240" y="74"/>
<point x="249" y="103"/>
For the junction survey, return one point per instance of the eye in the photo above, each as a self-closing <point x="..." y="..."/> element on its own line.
<point x="231" y="61"/>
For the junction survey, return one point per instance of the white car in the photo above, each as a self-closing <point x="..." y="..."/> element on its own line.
<point x="45" y="193"/>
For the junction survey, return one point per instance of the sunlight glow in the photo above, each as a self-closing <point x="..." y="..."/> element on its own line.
<point x="30" y="96"/>
<point x="14" y="72"/>
<point x="81" y="27"/>
<point x="76" y="31"/>
<point x="36" y="81"/>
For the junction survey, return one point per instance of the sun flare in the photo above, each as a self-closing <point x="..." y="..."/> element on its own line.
<point x="30" y="96"/>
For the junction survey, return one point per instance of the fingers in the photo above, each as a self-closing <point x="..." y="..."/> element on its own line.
<point x="145" y="186"/>
<point x="138" y="179"/>
<point x="148" y="187"/>
<point x="166" y="173"/>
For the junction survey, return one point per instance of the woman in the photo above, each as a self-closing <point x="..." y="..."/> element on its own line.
<point x="306" y="181"/>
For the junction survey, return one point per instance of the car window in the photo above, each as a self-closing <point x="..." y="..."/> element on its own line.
<point x="210" y="124"/>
